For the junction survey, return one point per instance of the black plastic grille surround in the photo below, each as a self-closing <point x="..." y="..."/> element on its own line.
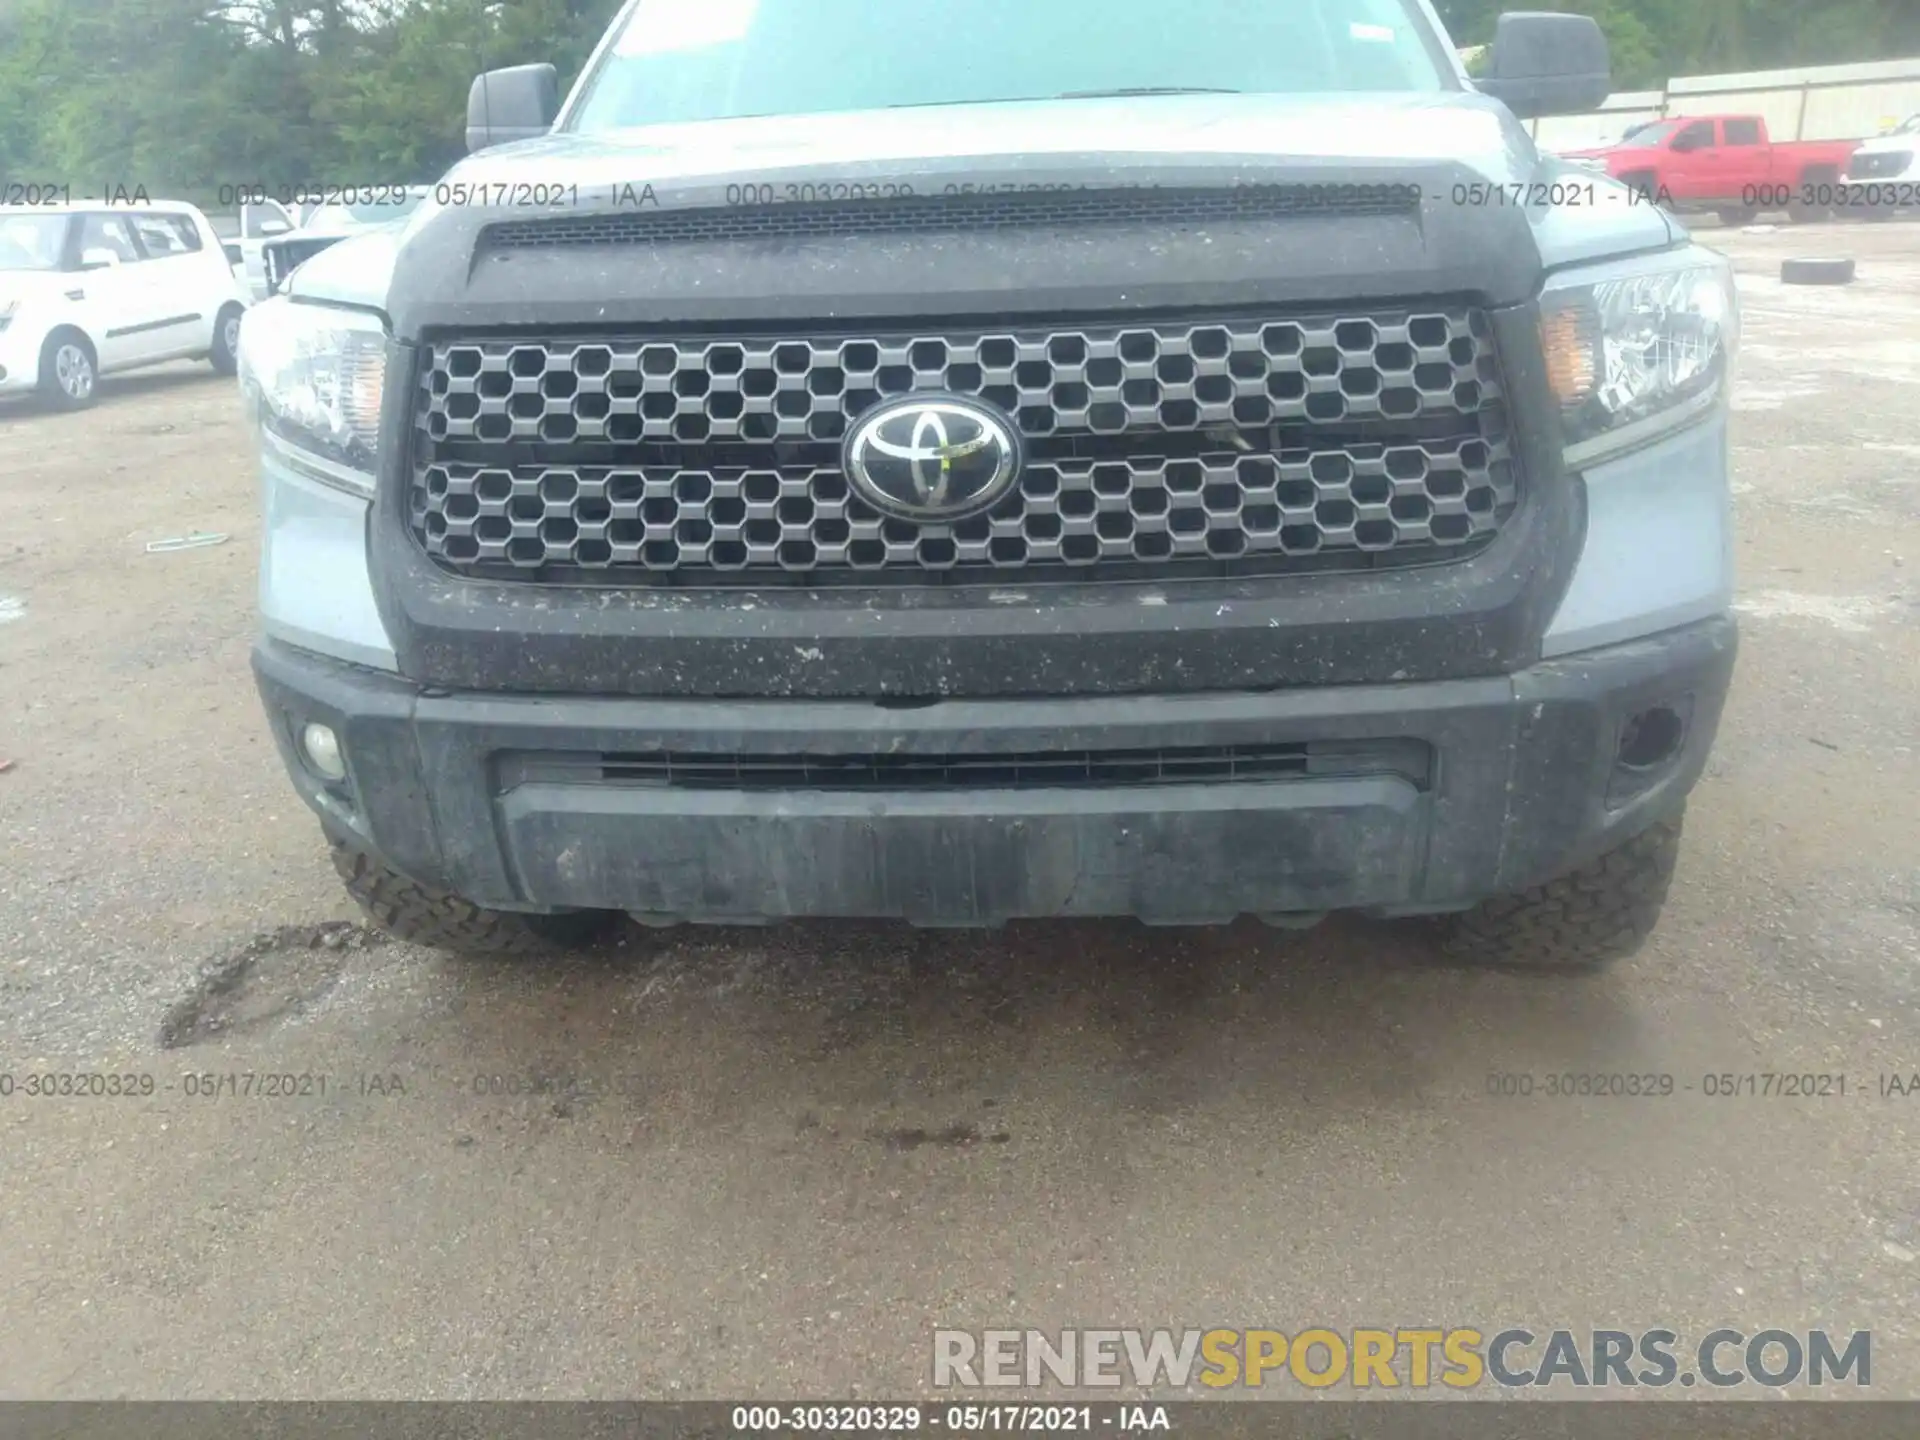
<point x="1154" y="448"/>
<point x="1879" y="165"/>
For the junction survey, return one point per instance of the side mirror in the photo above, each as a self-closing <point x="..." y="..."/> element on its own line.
<point x="98" y="259"/>
<point x="1545" y="64"/>
<point x="272" y="227"/>
<point x="513" y="104"/>
<point x="235" y="255"/>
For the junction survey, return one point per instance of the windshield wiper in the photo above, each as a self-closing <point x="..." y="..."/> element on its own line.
<point x="1127" y="90"/>
<point x="970" y="100"/>
<point x="1068" y="95"/>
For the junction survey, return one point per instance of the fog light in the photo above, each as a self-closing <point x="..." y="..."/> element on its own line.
<point x="1651" y="738"/>
<point x="323" y="751"/>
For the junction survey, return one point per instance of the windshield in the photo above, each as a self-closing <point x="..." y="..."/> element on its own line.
<point x="1910" y="126"/>
<point x="1652" y="134"/>
<point x="31" y="242"/>
<point x="379" y="212"/>
<point x="691" y="60"/>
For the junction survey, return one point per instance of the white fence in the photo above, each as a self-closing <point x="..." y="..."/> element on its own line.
<point x="1828" y="102"/>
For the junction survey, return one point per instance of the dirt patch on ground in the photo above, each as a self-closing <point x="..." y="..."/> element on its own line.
<point x="271" y="977"/>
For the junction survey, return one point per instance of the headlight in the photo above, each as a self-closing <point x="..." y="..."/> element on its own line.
<point x="312" y="376"/>
<point x="1638" y="347"/>
<point x="7" y="309"/>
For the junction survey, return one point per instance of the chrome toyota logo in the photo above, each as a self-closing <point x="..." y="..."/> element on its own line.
<point x="932" y="458"/>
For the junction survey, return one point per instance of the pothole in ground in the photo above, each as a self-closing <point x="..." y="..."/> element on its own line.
<point x="270" y="978"/>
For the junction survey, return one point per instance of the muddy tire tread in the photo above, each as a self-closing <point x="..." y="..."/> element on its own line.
<point x="1579" y="923"/>
<point x="422" y="915"/>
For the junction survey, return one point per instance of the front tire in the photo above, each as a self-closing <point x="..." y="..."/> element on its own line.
<point x="1582" y="922"/>
<point x="225" y="354"/>
<point x="422" y="915"/>
<point x="1807" y="214"/>
<point x="69" y="371"/>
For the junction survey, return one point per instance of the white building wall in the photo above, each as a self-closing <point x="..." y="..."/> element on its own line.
<point x="1825" y="102"/>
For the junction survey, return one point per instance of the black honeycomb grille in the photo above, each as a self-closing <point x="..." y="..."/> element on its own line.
<point x="1152" y="449"/>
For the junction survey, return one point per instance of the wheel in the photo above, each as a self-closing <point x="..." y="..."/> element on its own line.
<point x="226" y="341"/>
<point x="1801" y="214"/>
<point x="1737" y="215"/>
<point x="1816" y="272"/>
<point x="423" y="915"/>
<point x="1579" y="923"/>
<point x="68" y="371"/>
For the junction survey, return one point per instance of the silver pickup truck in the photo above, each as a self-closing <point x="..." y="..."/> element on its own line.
<point x="969" y="460"/>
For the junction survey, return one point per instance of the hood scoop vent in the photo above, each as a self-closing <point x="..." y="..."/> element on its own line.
<point x="1008" y="207"/>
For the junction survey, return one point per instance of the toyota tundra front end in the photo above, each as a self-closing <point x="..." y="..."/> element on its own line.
<point x="966" y="460"/>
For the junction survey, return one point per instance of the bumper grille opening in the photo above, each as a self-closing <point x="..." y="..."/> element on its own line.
<point x="1037" y="770"/>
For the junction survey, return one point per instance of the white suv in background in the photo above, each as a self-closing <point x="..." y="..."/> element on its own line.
<point x="87" y="290"/>
<point x="1884" y="173"/>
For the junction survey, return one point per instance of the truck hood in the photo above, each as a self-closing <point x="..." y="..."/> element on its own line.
<point x="1341" y="129"/>
<point x="357" y="270"/>
<point x="1881" y="144"/>
<point x="1438" y="142"/>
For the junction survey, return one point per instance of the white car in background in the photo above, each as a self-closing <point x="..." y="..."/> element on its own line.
<point x="1884" y="173"/>
<point x="244" y="235"/>
<point x="374" y="206"/>
<point x="89" y="290"/>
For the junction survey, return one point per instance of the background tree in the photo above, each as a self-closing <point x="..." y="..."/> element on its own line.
<point x="183" y="96"/>
<point x="1653" y="40"/>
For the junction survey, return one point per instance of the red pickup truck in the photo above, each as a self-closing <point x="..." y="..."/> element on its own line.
<point x="1726" y="164"/>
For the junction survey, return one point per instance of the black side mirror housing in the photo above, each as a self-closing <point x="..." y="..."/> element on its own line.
<point x="1548" y="64"/>
<point x="513" y="104"/>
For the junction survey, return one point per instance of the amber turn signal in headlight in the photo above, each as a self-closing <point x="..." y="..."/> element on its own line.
<point x="313" y="376"/>
<point x="1637" y="347"/>
<point x="1569" y="337"/>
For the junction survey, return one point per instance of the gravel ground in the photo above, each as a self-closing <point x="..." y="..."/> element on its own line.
<point x="768" y="1163"/>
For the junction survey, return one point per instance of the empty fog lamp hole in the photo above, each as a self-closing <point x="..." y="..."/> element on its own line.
<point x="1651" y="738"/>
<point x="321" y="746"/>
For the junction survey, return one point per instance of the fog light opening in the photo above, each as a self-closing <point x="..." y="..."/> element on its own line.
<point x="322" y="749"/>
<point x="1651" y="738"/>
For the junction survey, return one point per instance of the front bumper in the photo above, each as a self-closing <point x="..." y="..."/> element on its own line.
<point x="19" y="358"/>
<point x="1406" y="798"/>
<point x="1881" y="194"/>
